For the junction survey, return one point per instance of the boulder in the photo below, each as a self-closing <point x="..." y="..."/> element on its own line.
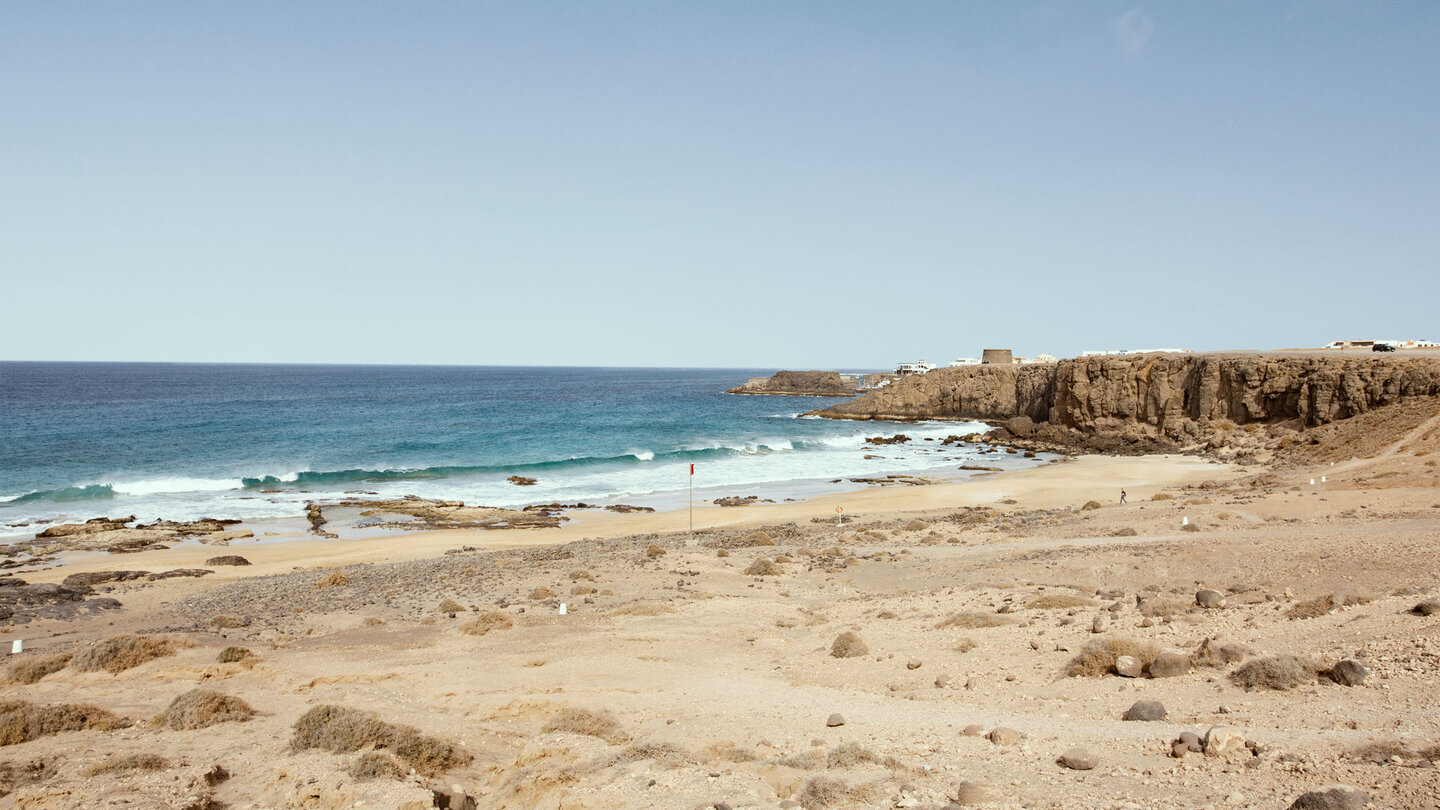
<point x="1348" y="672"/>
<point x="1005" y="736"/>
<point x="1129" y="666"/>
<point x="1170" y="663"/>
<point x="834" y="720"/>
<point x="1339" y="797"/>
<point x="229" y="559"/>
<point x="1210" y="600"/>
<point x="1079" y="759"/>
<point x="1146" y="710"/>
<point x="101" y="577"/>
<point x="1224" y="742"/>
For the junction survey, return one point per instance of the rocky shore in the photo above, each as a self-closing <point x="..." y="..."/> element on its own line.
<point x="1154" y="403"/>
<point x="802" y="384"/>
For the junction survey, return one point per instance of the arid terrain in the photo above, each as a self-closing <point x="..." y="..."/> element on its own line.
<point x="946" y="644"/>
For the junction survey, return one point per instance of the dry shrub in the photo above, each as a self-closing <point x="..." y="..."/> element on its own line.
<point x="886" y="614"/>
<point x="1381" y="751"/>
<point x="376" y="765"/>
<point x="966" y="644"/>
<point x="730" y="752"/>
<point x="1090" y="506"/>
<point x="722" y="553"/>
<point x="129" y="762"/>
<point x="848" y="645"/>
<point x="486" y="622"/>
<point x="971" y="620"/>
<point x="1162" y="496"/>
<point x="224" y="622"/>
<point x="342" y="730"/>
<point x="583" y="590"/>
<point x="31" y="670"/>
<point x="1128" y="531"/>
<point x="1275" y="672"/>
<point x="642" y="609"/>
<point x="759" y="539"/>
<point x="654" y="551"/>
<point x="230" y="655"/>
<point x="764" y="567"/>
<point x="823" y="791"/>
<point x="579" y="575"/>
<point x="664" y="753"/>
<point x="1211" y="653"/>
<point x="1310" y="608"/>
<point x="807" y="761"/>
<point x="1160" y="606"/>
<point x="1060" y="601"/>
<point x="372" y="621"/>
<point x="916" y="526"/>
<point x="601" y="725"/>
<point x="850" y="754"/>
<point x="1190" y="527"/>
<point x="119" y="653"/>
<point x="202" y="708"/>
<point x="21" y="721"/>
<point x="1097" y="657"/>
<point x="451" y="606"/>
<point x="542" y="593"/>
<point x="335" y="579"/>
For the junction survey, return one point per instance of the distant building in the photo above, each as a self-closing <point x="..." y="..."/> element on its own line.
<point x="1399" y="344"/>
<point x="965" y="361"/>
<point x="997" y="357"/>
<point x="1039" y="358"/>
<point x="918" y="367"/>
<point x="1114" y="352"/>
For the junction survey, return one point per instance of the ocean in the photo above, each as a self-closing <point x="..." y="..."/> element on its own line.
<point x="183" y="441"/>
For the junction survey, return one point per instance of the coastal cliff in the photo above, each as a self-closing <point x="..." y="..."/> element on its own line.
<point x="801" y="384"/>
<point x="1150" y="403"/>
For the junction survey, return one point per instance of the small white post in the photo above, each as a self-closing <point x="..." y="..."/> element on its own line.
<point x="1184" y="521"/>
<point x="562" y="608"/>
<point x="1322" y="479"/>
<point x="1312" y="482"/>
<point x="17" y="646"/>
<point x="840" y="510"/>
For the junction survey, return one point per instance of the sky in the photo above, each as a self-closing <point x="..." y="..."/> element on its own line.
<point x="723" y="184"/>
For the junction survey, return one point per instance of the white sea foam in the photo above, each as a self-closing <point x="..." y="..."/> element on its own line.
<point x="172" y="485"/>
<point x="643" y="455"/>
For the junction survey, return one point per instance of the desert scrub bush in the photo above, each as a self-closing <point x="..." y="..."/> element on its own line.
<point x="971" y="620"/>
<point x="372" y="621"/>
<point x="335" y="579"/>
<point x="231" y="655"/>
<point x="31" y="670"/>
<point x="642" y="608"/>
<point x="486" y="622"/>
<point x="119" y="653"/>
<point x="342" y="730"/>
<point x="916" y="526"/>
<point x="1060" y="601"/>
<point x="1212" y="653"/>
<point x="759" y="539"/>
<point x="1162" y="496"/>
<point x="848" y="645"/>
<point x="654" y="551"/>
<point x="850" y="754"/>
<point x="1161" y="606"/>
<point x="764" y="567"/>
<point x="202" y="708"/>
<point x="583" y="590"/>
<point x="1091" y="506"/>
<point x="225" y="622"/>
<point x="129" y="762"/>
<point x="601" y="725"/>
<point x="541" y="593"/>
<point x="376" y="765"/>
<point x="964" y="645"/>
<point x="576" y="576"/>
<point x="21" y="721"/>
<point x="1128" y="531"/>
<point x="722" y="552"/>
<point x="824" y="791"/>
<point x="663" y="753"/>
<point x="1190" y="527"/>
<point x="729" y="752"/>
<point x="1310" y="608"/>
<point x="1278" y="672"/>
<point x="451" y="606"/>
<point x="1097" y="657"/>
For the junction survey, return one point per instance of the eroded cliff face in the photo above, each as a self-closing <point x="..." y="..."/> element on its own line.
<point x="1167" y="397"/>
<point x="801" y="383"/>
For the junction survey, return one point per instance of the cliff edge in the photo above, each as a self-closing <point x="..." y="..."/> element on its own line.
<point x="802" y="384"/>
<point x="1151" y="403"/>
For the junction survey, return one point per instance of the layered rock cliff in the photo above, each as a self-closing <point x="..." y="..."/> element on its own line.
<point x="801" y="383"/>
<point x="1157" y="401"/>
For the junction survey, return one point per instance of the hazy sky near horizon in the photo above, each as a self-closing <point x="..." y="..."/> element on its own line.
<point x="751" y="184"/>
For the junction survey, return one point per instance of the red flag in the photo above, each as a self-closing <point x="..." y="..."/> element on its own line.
<point x="692" y="468"/>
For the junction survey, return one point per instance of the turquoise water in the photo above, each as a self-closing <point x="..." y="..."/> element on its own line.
<point x="180" y="441"/>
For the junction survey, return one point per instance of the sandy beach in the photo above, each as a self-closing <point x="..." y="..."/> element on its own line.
<point x="986" y="616"/>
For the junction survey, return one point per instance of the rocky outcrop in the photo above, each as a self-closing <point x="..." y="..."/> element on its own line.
<point x="802" y="384"/>
<point x="1152" y="402"/>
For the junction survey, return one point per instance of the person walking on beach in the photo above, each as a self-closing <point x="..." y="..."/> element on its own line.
<point x="1122" y="496"/>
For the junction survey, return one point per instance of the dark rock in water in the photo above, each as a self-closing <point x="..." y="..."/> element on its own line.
<point x="802" y="383"/>
<point x="229" y="559"/>
<point x="1079" y="759"/>
<point x="1348" y="672"/>
<point x="100" y="577"/>
<point x="522" y="481"/>
<point x="1340" y="797"/>
<point x="899" y="438"/>
<point x="1146" y="710"/>
<point x="181" y="572"/>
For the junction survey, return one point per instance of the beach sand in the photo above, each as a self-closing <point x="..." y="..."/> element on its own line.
<point x="676" y="679"/>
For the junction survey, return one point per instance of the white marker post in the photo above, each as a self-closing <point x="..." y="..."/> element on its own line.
<point x="840" y="510"/>
<point x="1312" y="482"/>
<point x="1322" y="479"/>
<point x="562" y="608"/>
<point x="17" y="646"/>
<point x="1184" y="521"/>
<point x="691" y="541"/>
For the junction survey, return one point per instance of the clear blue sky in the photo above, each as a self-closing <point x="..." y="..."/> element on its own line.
<point x="793" y="184"/>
